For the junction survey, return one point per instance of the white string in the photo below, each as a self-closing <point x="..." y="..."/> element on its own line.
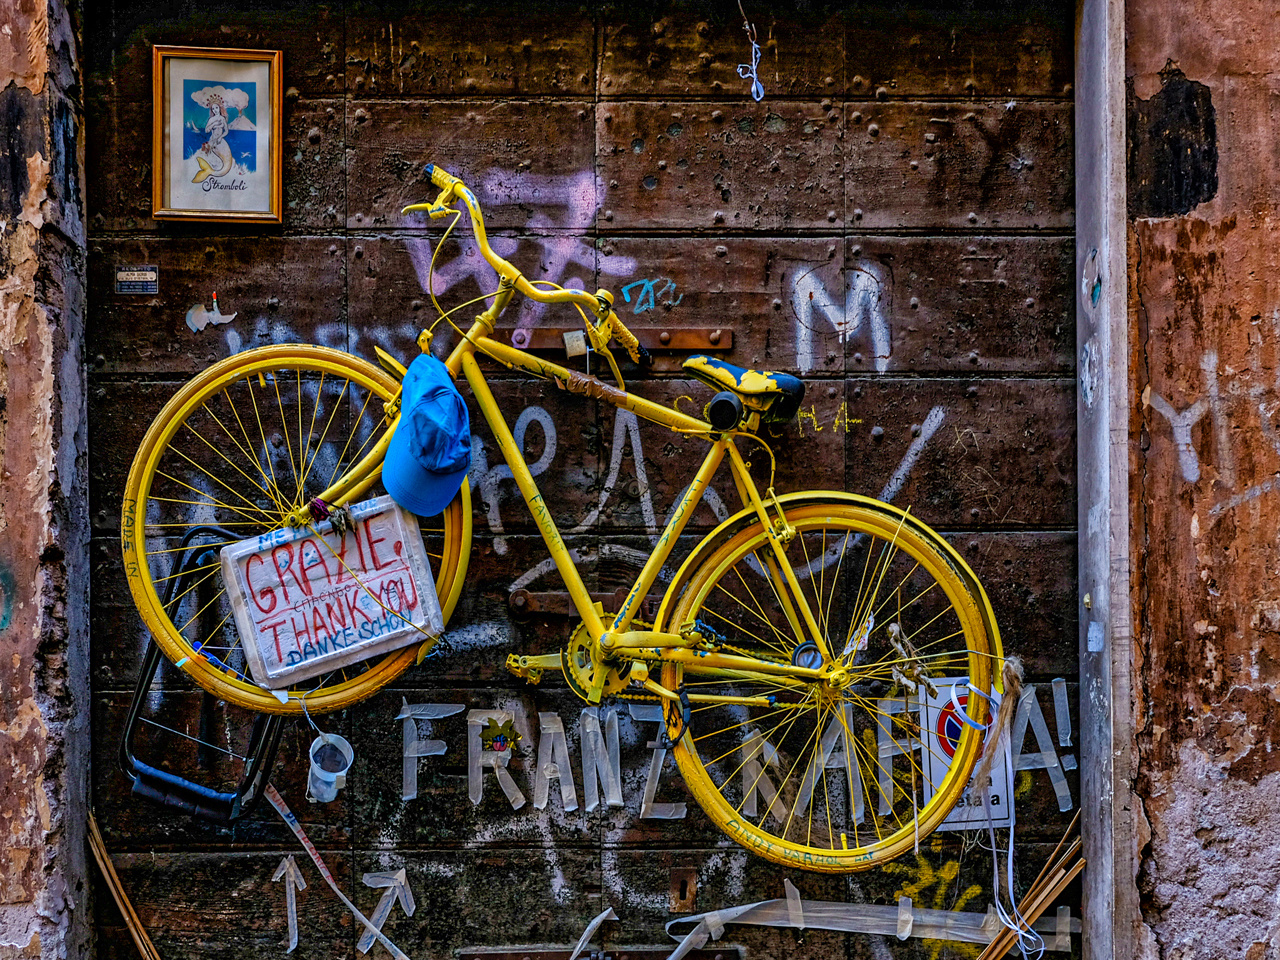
<point x="1030" y="942"/>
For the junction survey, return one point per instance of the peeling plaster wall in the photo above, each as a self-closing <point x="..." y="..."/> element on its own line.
<point x="43" y="506"/>
<point x="1205" y="321"/>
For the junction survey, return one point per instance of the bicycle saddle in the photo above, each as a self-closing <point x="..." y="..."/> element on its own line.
<point x="776" y="395"/>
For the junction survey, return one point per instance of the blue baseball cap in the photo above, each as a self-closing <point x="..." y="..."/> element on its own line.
<point x="430" y="452"/>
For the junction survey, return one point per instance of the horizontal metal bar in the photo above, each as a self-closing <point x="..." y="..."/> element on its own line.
<point x="673" y="338"/>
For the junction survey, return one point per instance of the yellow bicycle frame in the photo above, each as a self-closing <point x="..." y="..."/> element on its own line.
<point x="615" y="637"/>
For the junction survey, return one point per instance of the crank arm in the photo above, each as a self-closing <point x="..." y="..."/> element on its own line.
<point x="531" y="668"/>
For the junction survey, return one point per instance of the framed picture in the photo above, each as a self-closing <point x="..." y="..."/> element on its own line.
<point x="215" y="143"/>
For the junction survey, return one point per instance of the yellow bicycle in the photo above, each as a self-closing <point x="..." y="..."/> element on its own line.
<point x="792" y="650"/>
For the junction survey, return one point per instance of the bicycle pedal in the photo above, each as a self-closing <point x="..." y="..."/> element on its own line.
<point x="521" y="667"/>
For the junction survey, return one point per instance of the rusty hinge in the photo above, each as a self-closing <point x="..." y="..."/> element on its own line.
<point x="675" y="339"/>
<point x="616" y="953"/>
<point x="557" y="603"/>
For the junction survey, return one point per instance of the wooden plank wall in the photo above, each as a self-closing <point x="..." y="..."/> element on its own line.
<point x="893" y="221"/>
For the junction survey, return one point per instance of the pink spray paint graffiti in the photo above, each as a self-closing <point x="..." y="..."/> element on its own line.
<point x="561" y="210"/>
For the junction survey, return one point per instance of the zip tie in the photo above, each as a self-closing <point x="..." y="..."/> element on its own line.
<point x="963" y="715"/>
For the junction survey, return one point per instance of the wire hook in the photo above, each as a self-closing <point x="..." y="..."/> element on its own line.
<point x="749" y="71"/>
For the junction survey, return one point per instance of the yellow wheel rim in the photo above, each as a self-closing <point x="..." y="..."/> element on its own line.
<point x="232" y="449"/>
<point x="819" y="780"/>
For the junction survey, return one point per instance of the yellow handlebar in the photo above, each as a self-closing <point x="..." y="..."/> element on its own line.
<point x="600" y="303"/>
<point x="629" y="341"/>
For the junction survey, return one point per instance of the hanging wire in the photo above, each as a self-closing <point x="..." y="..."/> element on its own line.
<point x="749" y="71"/>
<point x="302" y="702"/>
<point x="187" y="736"/>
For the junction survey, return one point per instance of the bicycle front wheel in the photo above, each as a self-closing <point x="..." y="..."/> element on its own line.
<point x="835" y="775"/>
<point x="240" y="447"/>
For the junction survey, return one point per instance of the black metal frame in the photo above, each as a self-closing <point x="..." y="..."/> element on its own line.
<point x="169" y="789"/>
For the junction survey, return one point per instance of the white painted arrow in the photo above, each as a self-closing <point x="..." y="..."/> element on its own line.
<point x="288" y="870"/>
<point x="397" y="888"/>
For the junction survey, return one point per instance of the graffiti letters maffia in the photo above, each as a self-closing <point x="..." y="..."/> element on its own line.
<point x="307" y="601"/>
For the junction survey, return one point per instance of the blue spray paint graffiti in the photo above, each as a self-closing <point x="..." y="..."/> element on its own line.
<point x="6" y="598"/>
<point x="650" y="293"/>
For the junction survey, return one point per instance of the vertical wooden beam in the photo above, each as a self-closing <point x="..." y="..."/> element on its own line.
<point x="1110" y="894"/>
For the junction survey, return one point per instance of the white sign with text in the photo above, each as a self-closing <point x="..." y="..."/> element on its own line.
<point x="308" y="601"/>
<point x="942" y="726"/>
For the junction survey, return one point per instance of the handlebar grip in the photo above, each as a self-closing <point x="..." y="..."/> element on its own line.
<point x="628" y="340"/>
<point x="441" y="177"/>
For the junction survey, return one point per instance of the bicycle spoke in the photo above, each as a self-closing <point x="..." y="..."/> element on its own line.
<point x="214" y="501"/>
<point x="351" y="435"/>
<point x="319" y="443"/>
<point x="277" y="495"/>
<point x="758" y="615"/>
<point x="235" y="466"/>
<point x="266" y="447"/>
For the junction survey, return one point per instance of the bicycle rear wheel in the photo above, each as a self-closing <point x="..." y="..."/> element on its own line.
<point x="239" y="447"/>
<point x="830" y="776"/>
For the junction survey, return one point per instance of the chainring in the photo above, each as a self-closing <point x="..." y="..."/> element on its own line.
<point x="581" y="669"/>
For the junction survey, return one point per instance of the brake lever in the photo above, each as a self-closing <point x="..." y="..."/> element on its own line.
<point x="440" y="208"/>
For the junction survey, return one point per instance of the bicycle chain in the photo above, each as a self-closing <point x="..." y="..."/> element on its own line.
<point x="654" y="698"/>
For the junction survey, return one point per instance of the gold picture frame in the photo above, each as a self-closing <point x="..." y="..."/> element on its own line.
<point x="206" y="164"/>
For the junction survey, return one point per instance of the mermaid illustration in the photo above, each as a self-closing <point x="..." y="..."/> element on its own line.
<point x="216" y="100"/>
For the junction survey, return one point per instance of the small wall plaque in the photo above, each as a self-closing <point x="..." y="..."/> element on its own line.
<point x="140" y="278"/>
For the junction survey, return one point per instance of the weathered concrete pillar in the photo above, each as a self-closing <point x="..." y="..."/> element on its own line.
<point x="1204" y="301"/>
<point x="44" y="715"/>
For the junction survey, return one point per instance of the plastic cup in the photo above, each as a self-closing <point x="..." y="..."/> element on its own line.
<point x="331" y="757"/>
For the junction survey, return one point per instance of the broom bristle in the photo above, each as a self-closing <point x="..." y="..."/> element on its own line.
<point x="999" y="728"/>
